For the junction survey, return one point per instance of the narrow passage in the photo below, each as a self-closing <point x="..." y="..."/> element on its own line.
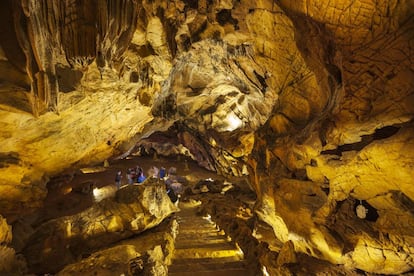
<point x="203" y="250"/>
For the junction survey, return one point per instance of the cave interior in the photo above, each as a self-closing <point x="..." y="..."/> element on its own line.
<point x="284" y="131"/>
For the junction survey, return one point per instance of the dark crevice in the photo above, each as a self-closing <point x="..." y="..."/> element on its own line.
<point x="403" y="201"/>
<point x="68" y="78"/>
<point x="379" y="134"/>
<point x="134" y="77"/>
<point x="7" y="158"/>
<point x="196" y="34"/>
<point x="143" y="51"/>
<point x="300" y="174"/>
<point x="171" y="31"/>
<point x="262" y="81"/>
<point x="335" y="73"/>
<point x="195" y="91"/>
<point x="9" y="40"/>
<point x="192" y="4"/>
<point x="224" y="17"/>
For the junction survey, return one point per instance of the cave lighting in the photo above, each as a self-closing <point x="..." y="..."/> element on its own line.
<point x="96" y="192"/>
<point x="239" y="250"/>
<point x="92" y="170"/>
<point x="233" y="122"/>
<point x="104" y="192"/>
<point x="208" y="218"/>
<point x="213" y="142"/>
<point x="295" y="237"/>
<point x="68" y="229"/>
<point x="264" y="271"/>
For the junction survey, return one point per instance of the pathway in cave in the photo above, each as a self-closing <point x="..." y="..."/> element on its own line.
<point x="203" y="250"/>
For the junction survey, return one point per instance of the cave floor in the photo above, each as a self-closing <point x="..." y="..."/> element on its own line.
<point x="201" y="246"/>
<point x="74" y="196"/>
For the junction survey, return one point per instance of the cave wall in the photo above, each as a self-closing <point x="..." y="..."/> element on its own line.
<point x="361" y="150"/>
<point x="314" y="98"/>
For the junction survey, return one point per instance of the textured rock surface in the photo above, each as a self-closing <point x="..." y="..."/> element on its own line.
<point x="61" y="241"/>
<point x="313" y="99"/>
<point x="10" y="262"/>
<point x="136" y="255"/>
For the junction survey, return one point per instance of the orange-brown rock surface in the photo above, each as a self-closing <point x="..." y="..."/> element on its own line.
<point x="60" y="241"/>
<point x="313" y="100"/>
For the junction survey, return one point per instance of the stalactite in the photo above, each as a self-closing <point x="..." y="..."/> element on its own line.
<point x="40" y="50"/>
<point x="47" y="30"/>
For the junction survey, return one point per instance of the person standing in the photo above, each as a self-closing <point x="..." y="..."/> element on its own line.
<point x="130" y="176"/>
<point x="141" y="177"/>
<point x="118" y="179"/>
<point x="162" y="173"/>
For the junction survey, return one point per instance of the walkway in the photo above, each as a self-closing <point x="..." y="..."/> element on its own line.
<point x="202" y="250"/>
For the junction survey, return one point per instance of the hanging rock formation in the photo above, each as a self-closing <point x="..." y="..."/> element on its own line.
<point x="312" y="99"/>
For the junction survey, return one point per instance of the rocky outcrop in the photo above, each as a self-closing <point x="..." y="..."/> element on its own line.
<point x="366" y="141"/>
<point x="146" y="254"/>
<point x="11" y="263"/>
<point x="134" y="209"/>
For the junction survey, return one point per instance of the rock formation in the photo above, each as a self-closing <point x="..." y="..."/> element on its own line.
<point x="312" y="99"/>
<point x="62" y="240"/>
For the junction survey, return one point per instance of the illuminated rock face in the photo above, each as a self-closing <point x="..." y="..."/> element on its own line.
<point x="315" y="97"/>
<point x="61" y="241"/>
<point x="361" y="150"/>
<point x="9" y="261"/>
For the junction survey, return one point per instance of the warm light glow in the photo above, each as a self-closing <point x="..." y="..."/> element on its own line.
<point x="239" y="251"/>
<point x="213" y="142"/>
<point x="104" y="192"/>
<point x="68" y="229"/>
<point x="208" y="218"/>
<point x="93" y="170"/>
<point x="233" y="122"/>
<point x="96" y="192"/>
<point x="67" y="190"/>
<point x="115" y="224"/>
<point x="227" y="187"/>
<point x="264" y="270"/>
<point x="295" y="237"/>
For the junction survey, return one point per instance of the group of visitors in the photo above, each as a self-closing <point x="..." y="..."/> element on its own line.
<point x="170" y="178"/>
<point x="135" y="175"/>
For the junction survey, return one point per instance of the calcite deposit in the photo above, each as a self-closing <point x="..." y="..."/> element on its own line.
<point x="311" y="101"/>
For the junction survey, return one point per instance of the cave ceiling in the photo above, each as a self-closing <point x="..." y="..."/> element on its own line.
<point x="313" y="100"/>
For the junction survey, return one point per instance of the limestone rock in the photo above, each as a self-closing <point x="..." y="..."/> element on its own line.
<point x="380" y="254"/>
<point x="5" y="231"/>
<point x="63" y="240"/>
<point x="287" y="254"/>
<point x="10" y="262"/>
<point x="135" y="256"/>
